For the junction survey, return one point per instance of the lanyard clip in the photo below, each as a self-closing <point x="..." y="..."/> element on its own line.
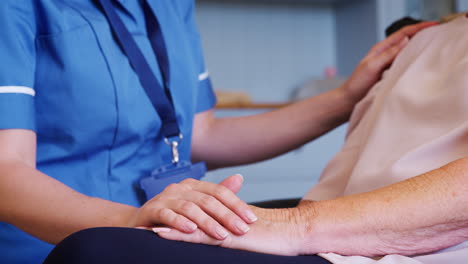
<point x="174" y="144"/>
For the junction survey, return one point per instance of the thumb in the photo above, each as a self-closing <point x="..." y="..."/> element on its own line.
<point x="233" y="183"/>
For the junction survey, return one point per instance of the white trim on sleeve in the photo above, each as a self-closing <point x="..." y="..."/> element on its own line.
<point x="17" y="89"/>
<point x="203" y="76"/>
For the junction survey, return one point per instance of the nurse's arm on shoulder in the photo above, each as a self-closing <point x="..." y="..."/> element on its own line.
<point x="233" y="141"/>
<point x="420" y="215"/>
<point x="50" y="210"/>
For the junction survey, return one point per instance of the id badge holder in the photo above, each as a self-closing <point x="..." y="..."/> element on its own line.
<point x="176" y="172"/>
<point x="161" y="177"/>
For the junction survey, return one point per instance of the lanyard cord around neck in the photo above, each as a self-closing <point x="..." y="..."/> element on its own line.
<point x="159" y="95"/>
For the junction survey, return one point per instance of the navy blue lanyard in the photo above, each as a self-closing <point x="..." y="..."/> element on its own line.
<point x="160" y="96"/>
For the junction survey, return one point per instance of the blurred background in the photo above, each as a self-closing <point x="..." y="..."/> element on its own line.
<point x="262" y="54"/>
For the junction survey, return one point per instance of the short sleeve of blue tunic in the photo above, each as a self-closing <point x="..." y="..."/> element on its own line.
<point x="63" y="76"/>
<point x="17" y="62"/>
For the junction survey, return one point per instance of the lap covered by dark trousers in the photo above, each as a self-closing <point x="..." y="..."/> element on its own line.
<point x="127" y="245"/>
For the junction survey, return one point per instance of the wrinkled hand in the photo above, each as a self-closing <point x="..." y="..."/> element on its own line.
<point x="380" y="57"/>
<point x="278" y="231"/>
<point x="196" y="205"/>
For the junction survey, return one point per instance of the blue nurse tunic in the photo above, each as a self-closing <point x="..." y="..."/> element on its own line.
<point x="63" y="75"/>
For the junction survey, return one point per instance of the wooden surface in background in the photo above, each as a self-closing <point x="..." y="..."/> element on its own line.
<point x="240" y="105"/>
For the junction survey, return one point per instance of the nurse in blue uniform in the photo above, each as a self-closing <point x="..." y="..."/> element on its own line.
<point x="78" y="130"/>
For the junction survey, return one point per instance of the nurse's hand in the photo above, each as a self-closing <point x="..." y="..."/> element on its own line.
<point x="191" y="205"/>
<point x="380" y="57"/>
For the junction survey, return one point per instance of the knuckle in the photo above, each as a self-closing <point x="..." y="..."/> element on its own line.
<point x="189" y="181"/>
<point x="221" y="191"/>
<point x="164" y="214"/>
<point x="209" y="224"/>
<point x="173" y="187"/>
<point x="410" y="28"/>
<point x="187" y="206"/>
<point x="401" y="33"/>
<point x="179" y="221"/>
<point x="178" y="188"/>
<point x="208" y="201"/>
<point x="229" y="219"/>
<point x="370" y="66"/>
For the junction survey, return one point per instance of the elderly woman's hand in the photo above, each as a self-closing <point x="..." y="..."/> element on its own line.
<point x="277" y="231"/>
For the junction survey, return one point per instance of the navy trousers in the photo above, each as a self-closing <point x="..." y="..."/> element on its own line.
<point x="127" y="245"/>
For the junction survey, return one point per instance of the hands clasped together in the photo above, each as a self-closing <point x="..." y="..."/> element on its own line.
<point x="195" y="205"/>
<point x="201" y="212"/>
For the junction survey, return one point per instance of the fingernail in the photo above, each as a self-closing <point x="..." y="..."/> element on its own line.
<point x="243" y="227"/>
<point x="222" y="233"/>
<point x="161" y="230"/>
<point x="191" y="226"/>
<point x="251" y="216"/>
<point x="240" y="176"/>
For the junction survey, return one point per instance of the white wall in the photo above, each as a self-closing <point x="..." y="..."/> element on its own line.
<point x="462" y="5"/>
<point x="265" y="48"/>
<point x="356" y="32"/>
<point x="388" y="12"/>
